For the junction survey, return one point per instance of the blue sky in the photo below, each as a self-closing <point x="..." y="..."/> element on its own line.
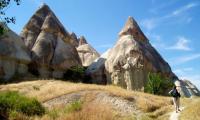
<point x="173" y="26"/>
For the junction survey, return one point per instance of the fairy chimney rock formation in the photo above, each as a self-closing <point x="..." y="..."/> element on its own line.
<point x="82" y="41"/>
<point x="14" y="57"/>
<point x="52" y="51"/>
<point x="131" y="28"/>
<point x="74" y="39"/>
<point x="86" y="52"/>
<point x="96" y="70"/>
<point x="132" y="58"/>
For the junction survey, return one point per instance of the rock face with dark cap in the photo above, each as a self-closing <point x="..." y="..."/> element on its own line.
<point x="131" y="28"/>
<point x="132" y="58"/>
<point x="51" y="47"/>
<point x="82" y="41"/>
<point x="86" y="52"/>
<point x="74" y="39"/>
<point x="14" y="56"/>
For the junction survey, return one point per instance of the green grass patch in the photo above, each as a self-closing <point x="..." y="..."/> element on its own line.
<point x="74" y="106"/>
<point x="12" y="102"/>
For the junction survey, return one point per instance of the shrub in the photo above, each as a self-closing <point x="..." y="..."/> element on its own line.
<point x="76" y="73"/>
<point x="157" y="84"/>
<point x="12" y="101"/>
<point x="74" y="106"/>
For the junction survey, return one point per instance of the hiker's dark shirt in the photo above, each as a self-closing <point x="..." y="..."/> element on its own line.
<point x="177" y="94"/>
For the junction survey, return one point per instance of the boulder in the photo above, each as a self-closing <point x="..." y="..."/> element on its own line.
<point x="51" y="46"/>
<point x="86" y="52"/>
<point x="14" y="56"/>
<point x="132" y="58"/>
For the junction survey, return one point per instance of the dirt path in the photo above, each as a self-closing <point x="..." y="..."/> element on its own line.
<point x="174" y="115"/>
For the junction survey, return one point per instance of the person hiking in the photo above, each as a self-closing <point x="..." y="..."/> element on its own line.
<point x="176" y="97"/>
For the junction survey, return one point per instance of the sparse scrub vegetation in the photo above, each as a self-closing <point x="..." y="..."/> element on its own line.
<point x="12" y="103"/>
<point x="36" y="87"/>
<point x="74" y="106"/>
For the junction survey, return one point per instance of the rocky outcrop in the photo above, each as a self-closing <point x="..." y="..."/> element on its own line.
<point x="74" y="39"/>
<point x="86" y="52"/>
<point x="14" y="56"/>
<point x="132" y="58"/>
<point x="51" y="46"/>
<point x="82" y="41"/>
<point x="186" y="88"/>
<point x="96" y="70"/>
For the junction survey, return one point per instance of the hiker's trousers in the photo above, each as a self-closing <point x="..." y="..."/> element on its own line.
<point x="176" y="101"/>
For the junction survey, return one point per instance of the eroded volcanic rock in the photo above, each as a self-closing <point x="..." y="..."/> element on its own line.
<point x="74" y="40"/>
<point x="14" y="56"/>
<point x="86" y="52"/>
<point x="132" y="58"/>
<point x="96" y="70"/>
<point x="51" y="46"/>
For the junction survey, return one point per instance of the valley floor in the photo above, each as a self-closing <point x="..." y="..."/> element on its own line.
<point x="78" y="101"/>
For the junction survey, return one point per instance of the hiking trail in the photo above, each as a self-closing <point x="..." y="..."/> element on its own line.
<point x="174" y="115"/>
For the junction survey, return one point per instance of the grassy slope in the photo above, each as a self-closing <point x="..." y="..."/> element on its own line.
<point x="153" y="107"/>
<point x="192" y="109"/>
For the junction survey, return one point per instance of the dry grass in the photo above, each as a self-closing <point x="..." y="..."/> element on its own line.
<point x="45" y="90"/>
<point x="89" y="112"/>
<point x="192" y="110"/>
<point x="161" y="114"/>
<point x="150" y="103"/>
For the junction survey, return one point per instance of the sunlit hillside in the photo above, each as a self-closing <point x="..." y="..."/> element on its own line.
<point x="92" y="101"/>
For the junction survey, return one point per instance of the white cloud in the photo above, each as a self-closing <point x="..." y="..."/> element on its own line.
<point x="184" y="9"/>
<point x="184" y="59"/>
<point x="156" y="8"/>
<point x="153" y="22"/>
<point x="182" y="44"/>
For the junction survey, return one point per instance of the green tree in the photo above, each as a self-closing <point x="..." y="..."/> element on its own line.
<point x="4" y="5"/>
<point x="157" y="84"/>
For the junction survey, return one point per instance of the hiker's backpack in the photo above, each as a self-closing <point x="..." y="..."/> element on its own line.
<point x="173" y="92"/>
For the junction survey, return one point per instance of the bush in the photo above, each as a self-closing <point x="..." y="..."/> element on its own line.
<point x="12" y="101"/>
<point x="157" y="84"/>
<point x="74" y="106"/>
<point x="76" y="74"/>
